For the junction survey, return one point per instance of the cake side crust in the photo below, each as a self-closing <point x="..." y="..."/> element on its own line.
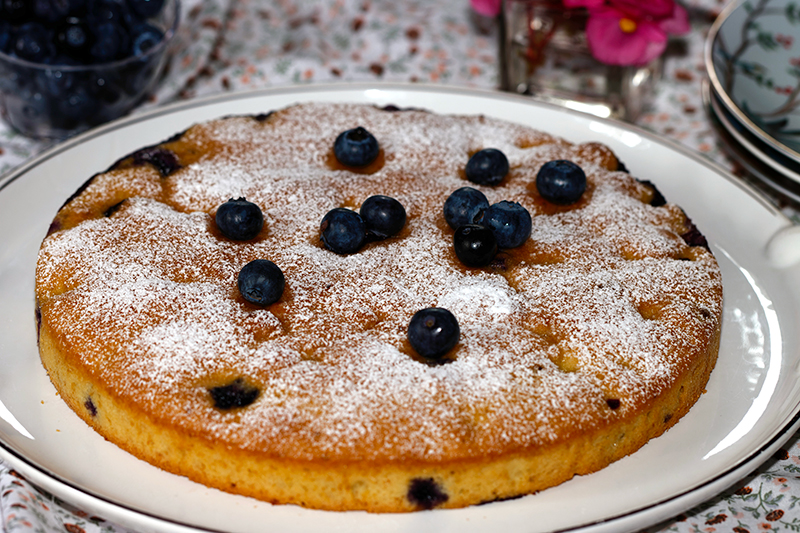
<point x="378" y="487"/>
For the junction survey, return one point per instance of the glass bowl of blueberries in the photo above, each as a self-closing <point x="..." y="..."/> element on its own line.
<point x="69" y="65"/>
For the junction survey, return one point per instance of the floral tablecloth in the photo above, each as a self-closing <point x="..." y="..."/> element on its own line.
<point x="232" y="45"/>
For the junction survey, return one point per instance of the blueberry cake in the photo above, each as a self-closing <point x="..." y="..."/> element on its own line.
<point x="347" y="307"/>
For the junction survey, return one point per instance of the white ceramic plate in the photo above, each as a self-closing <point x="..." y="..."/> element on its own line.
<point x="750" y="409"/>
<point x="751" y="60"/>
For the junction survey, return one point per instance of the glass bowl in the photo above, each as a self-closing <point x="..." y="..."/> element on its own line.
<point x="48" y="101"/>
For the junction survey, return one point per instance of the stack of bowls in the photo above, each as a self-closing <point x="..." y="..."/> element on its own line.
<point x="753" y="63"/>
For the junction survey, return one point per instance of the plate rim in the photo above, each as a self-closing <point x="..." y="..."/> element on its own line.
<point x="741" y="116"/>
<point x="754" y="166"/>
<point x="753" y="460"/>
<point x="749" y="142"/>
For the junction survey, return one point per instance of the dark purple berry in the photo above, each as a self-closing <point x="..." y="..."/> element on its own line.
<point x="475" y="245"/>
<point x="164" y="160"/>
<point x="236" y="394"/>
<point x="433" y="332"/>
<point x="425" y="493"/>
<point x="343" y="231"/>
<point x="487" y="167"/>
<point x="356" y="147"/>
<point x="75" y="105"/>
<point x="76" y="6"/>
<point x="102" y="11"/>
<point x="510" y="223"/>
<point x="110" y="41"/>
<point x="50" y="10"/>
<point x="57" y="81"/>
<point x="144" y="37"/>
<point x="383" y="216"/>
<point x="74" y="38"/>
<point x="239" y="220"/>
<point x="261" y="282"/>
<point x="6" y="36"/>
<point x="464" y="206"/>
<point x="561" y="182"/>
<point x="32" y="42"/>
<point x="90" y="406"/>
<point x="146" y="9"/>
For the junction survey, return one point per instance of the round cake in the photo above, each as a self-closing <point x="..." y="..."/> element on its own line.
<point x="572" y="349"/>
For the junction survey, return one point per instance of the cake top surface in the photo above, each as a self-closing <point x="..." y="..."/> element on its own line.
<point x="601" y="309"/>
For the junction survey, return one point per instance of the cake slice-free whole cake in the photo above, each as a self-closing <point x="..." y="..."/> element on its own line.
<point x="346" y="307"/>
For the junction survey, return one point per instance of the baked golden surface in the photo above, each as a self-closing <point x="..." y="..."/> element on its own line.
<point x="577" y="348"/>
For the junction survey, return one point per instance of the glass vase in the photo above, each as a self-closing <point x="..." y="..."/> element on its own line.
<point x="544" y="53"/>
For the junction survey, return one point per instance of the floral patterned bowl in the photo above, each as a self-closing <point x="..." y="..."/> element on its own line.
<point x="753" y="62"/>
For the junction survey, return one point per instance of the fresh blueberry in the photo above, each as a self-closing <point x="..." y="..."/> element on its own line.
<point x="56" y="81"/>
<point x="144" y="37"/>
<point x="475" y="245"/>
<point x="239" y="220"/>
<point x="107" y="87"/>
<point x="74" y="38"/>
<point x="487" y="167"/>
<point x="433" y="332"/>
<point x="561" y="182"/>
<point x="146" y="8"/>
<point x="32" y="42"/>
<point x="356" y="147"/>
<point x="102" y="11"/>
<point x="510" y="223"/>
<point x="6" y="36"/>
<point x="164" y="160"/>
<point x="110" y="41"/>
<point x="426" y="493"/>
<point x="50" y="10"/>
<point x="261" y="282"/>
<point x="26" y="109"/>
<point x="464" y="206"/>
<point x="343" y="231"/>
<point x="383" y="216"/>
<point x="74" y="106"/>
<point x="235" y="394"/>
<point x="76" y="6"/>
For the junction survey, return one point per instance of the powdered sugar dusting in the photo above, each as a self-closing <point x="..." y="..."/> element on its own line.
<point x="604" y="301"/>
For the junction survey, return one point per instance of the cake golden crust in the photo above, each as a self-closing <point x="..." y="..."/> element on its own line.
<point x="576" y="349"/>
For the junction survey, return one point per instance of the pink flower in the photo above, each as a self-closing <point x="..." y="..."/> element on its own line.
<point x="489" y="8"/>
<point x="632" y="32"/>
<point x="620" y="32"/>
<point x="590" y="4"/>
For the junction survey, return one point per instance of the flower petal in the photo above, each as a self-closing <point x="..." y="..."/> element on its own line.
<point x="591" y="4"/>
<point x="678" y="23"/>
<point x="488" y="8"/>
<point x="610" y="45"/>
<point x="644" y="9"/>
